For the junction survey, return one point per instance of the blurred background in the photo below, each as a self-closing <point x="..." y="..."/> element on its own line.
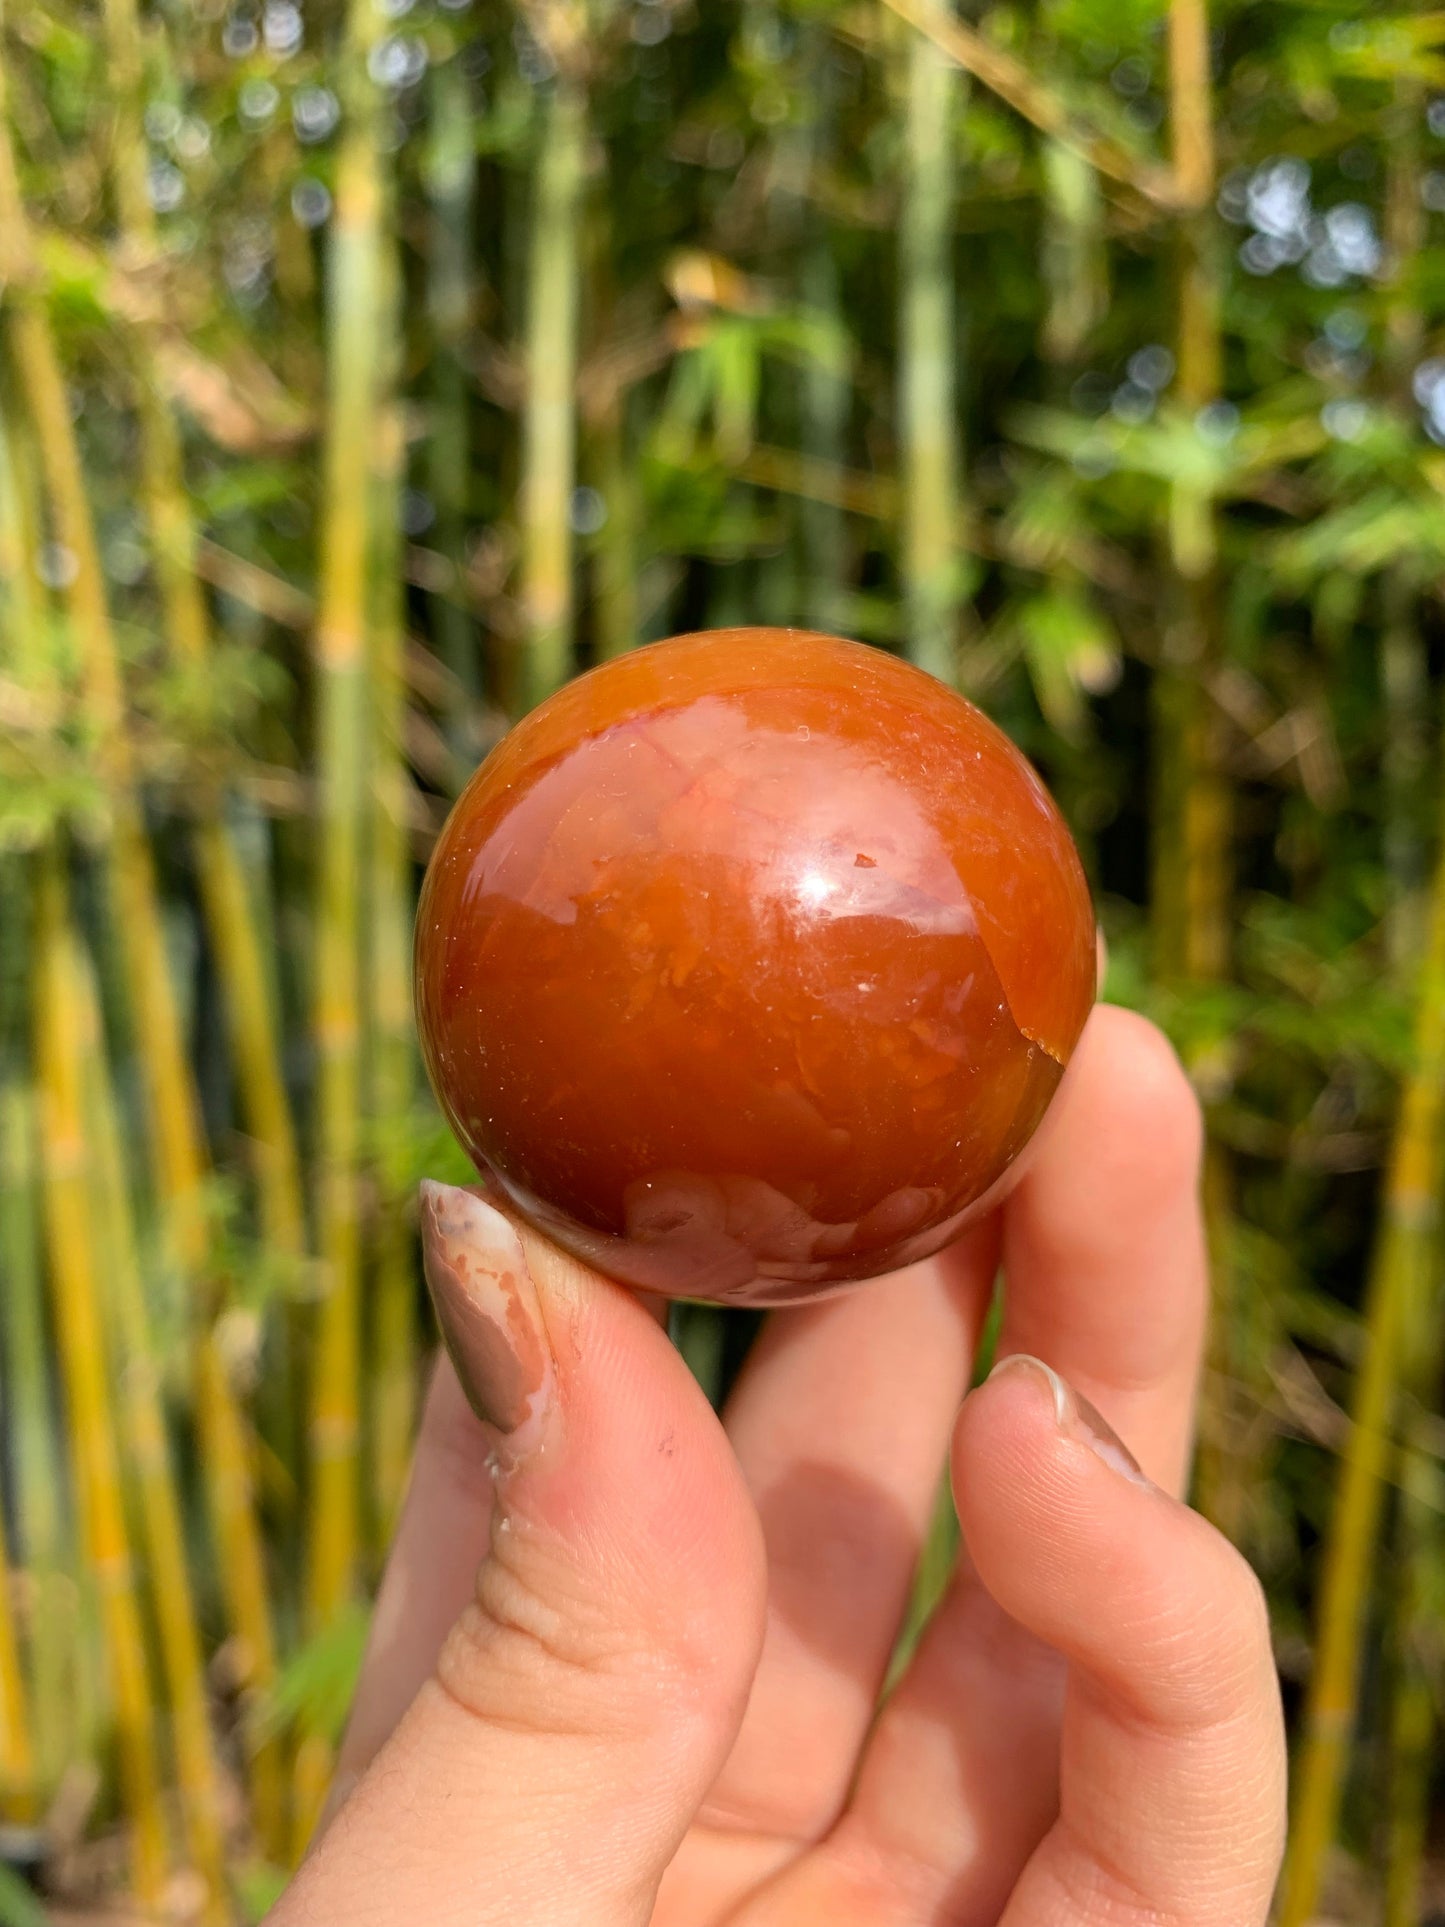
<point x="368" y="367"/>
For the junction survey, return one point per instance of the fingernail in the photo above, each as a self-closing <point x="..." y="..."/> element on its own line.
<point x="1076" y="1416"/>
<point x="486" y="1305"/>
<point x="1059" y="1392"/>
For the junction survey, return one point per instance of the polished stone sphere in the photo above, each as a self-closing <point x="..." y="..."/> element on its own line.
<point x="748" y="964"/>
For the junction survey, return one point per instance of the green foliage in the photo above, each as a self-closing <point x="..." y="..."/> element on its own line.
<point x="313" y="1691"/>
<point x="18" y="1905"/>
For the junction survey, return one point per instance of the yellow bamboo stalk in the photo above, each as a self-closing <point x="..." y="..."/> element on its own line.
<point x="393" y="1373"/>
<point x="927" y="350"/>
<point x="1420" y="1554"/>
<point x="235" y="936"/>
<point x="827" y="392"/>
<point x="144" y="1430"/>
<point x="172" y="1100"/>
<point x="177" y="1147"/>
<point x="549" y="421"/>
<point x="451" y="174"/>
<point x="355" y="295"/>
<point x="17" y="1755"/>
<point x="1404" y="673"/>
<point x="225" y="1446"/>
<point x="19" y="1764"/>
<point x="86" y="1374"/>
<point x="1401" y="1276"/>
<point x="1418" y="1550"/>
<point x="31" y="1428"/>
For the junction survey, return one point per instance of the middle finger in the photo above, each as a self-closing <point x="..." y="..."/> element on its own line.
<point x="841" y="1422"/>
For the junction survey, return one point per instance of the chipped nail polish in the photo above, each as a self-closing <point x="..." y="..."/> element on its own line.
<point x="490" y="1319"/>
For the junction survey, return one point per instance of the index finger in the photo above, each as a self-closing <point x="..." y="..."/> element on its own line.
<point x="1105" y="1270"/>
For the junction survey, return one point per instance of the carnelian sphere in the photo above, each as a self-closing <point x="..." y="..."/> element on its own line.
<point x="748" y="964"/>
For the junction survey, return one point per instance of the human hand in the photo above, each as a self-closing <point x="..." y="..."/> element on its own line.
<point x="626" y="1658"/>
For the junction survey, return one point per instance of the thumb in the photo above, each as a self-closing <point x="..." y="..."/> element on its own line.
<point x="593" y="1678"/>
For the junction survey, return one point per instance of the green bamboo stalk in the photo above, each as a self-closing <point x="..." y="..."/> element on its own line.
<point x="354" y="306"/>
<point x="549" y="422"/>
<point x="75" y="1278"/>
<point x="395" y="1335"/>
<point x="1075" y="266"/>
<point x="1190" y="918"/>
<point x="176" y="1143"/>
<point x="927" y="351"/>
<point x="1402" y="1274"/>
<point x="615" y="551"/>
<point x="451" y="185"/>
<point x="608" y="459"/>
<point x="143" y="1429"/>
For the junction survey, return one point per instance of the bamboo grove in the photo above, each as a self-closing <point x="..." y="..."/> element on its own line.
<point x="367" y="368"/>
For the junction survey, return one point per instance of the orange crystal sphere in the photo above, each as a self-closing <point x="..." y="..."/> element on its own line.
<point x="748" y="963"/>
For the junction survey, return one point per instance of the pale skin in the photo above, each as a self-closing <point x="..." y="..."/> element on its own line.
<point x="627" y="1674"/>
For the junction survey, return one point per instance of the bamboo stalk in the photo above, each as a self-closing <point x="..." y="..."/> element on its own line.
<point x="1416" y="1654"/>
<point x="59" y="1053"/>
<point x="176" y="1143"/>
<point x="451" y="184"/>
<point x="28" y="1434"/>
<point x="32" y="1431"/>
<point x="1075" y="268"/>
<point x="354" y="298"/>
<point x="615" y="600"/>
<point x="549" y="424"/>
<point x="1420" y="1545"/>
<point x="927" y="351"/>
<point x="1404" y="673"/>
<point x="235" y="937"/>
<point x="395" y="1335"/>
<point x="1191" y="881"/>
<point x="172" y="1099"/>
<point x="826" y="393"/>
<point x="608" y="459"/>
<point x="226" y="1454"/>
<point x="17" y="1754"/>
<point x="1402" y="1273"/>
<point x="144" y="1430"/>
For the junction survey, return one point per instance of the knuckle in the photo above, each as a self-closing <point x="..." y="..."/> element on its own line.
<point x="528" y="1640"/>
<point x="539" y="1645"/>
